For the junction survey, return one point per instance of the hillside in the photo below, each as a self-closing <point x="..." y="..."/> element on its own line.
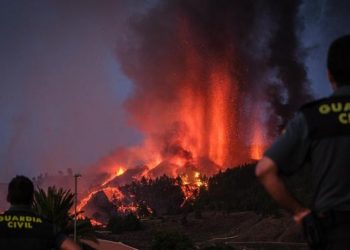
<point x="217" y="228"/>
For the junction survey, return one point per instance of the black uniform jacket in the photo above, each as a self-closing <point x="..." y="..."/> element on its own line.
<point x="21" y="228"/>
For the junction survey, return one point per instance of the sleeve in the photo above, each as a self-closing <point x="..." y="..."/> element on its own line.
<point x="58" y="240"/>
<point x="291" y="148"/>
<point x="57" y="237"/>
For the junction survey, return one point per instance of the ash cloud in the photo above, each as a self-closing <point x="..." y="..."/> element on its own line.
<point x="261" y="38"/>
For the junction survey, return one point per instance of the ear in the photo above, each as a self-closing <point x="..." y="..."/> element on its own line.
<point x="332" y="80"/>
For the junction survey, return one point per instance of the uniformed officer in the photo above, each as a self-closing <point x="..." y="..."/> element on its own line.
<point x="319" y="133"/>
<point x="21" y="228"/>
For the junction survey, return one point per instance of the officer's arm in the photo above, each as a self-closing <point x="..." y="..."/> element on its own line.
<point x="267" y="172"/>
<point x="68" y="244"/>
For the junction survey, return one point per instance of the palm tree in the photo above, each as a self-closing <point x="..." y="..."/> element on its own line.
<point x="55" y="205"/>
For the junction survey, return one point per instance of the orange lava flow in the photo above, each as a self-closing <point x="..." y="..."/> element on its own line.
<point x="110" y="192"/>
<point x="118" y="172"/>
<point x="127" y="209"/>
<point x="95" y="222"/>
<point x="85" y="201"/>
<point x="191" y="184"/>
<point x="113" y="193"/>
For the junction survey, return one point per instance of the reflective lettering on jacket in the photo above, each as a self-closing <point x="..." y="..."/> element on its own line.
<point x="343" y="110"/>
<point x="328" y="117"/>
<point x="19" y="221"/>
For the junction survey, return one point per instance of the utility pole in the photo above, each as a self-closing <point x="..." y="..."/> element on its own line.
<point x="76" y="176"/>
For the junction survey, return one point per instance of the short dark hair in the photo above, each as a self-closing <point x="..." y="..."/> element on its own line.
<point x="20" y="191"/>
<point x="338" y="61"/>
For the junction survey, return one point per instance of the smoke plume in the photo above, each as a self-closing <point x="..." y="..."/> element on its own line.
<point x="229" y="69"/>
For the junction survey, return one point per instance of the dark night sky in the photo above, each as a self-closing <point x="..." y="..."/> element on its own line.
<point x="323" y="21"/>
<point x="61" y="88"/>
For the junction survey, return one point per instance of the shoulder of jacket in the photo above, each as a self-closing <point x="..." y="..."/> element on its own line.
<point x="314" y="103"/>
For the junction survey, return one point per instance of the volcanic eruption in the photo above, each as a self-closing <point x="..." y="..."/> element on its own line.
<point x="214" y="81"/>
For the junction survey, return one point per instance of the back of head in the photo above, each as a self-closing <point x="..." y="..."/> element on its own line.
<point x="20" y="191"/>
<point x="338" y="61"/>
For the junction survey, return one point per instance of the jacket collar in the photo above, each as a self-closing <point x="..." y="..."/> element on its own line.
<point x="20" y="208"/>
<point x="341" y="91"/>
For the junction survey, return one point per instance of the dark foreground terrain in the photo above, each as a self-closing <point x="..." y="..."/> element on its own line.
<point x="243" y="230"/>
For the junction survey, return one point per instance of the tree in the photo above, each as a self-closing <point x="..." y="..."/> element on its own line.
<point x="55" y="205"/>
<point x="120" y="223"/>
<point x="236" y="189"/>
<point x="162" y="195"/>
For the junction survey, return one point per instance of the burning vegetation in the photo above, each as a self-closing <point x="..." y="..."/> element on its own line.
<point x="213" y="83"/>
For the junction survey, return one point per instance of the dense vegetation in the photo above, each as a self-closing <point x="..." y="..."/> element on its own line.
<point x="162" y="195"/>
<point x="233" y="190"/>
<point x="237" y="189"/>
<point x="120" y="223"/>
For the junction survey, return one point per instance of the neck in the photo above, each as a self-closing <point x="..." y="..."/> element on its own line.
<point x="20" y="207"/>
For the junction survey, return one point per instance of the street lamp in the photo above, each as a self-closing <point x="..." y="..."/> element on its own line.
<point x="76" y="176"/>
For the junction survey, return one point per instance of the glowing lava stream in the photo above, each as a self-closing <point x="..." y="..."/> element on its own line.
<point x="191" y="183"/>
<point x="110" y="192"/>
<point x="119" y="172"/>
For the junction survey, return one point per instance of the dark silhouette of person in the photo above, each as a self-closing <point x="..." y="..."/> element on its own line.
<point x="319" y="134"/>
<point x="21" y="228"/>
